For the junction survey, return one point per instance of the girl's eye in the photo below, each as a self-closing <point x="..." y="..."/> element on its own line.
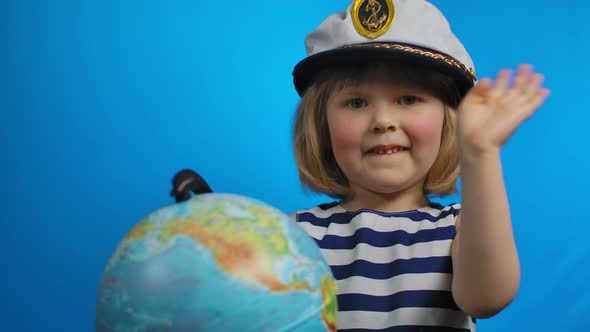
<point x="356" y="103"/>
<point x="408" y="100"/>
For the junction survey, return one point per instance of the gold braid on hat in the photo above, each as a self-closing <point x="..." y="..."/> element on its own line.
<point x="421" y="52"/>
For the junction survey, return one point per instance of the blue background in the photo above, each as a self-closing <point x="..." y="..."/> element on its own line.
<point x="101" y="102"/>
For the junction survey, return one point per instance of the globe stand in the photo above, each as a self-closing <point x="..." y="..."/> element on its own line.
<point x="187" y="181"/>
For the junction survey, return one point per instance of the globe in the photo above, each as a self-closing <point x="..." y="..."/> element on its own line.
<point x="216" y="262"/>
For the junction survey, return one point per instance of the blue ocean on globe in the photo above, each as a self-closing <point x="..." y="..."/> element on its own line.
<point x="217" y="262"/>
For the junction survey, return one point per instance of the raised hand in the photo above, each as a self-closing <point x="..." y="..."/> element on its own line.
<point x="491" y="111"/>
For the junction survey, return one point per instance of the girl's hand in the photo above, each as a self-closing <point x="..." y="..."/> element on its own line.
<point x="491" y="111"/>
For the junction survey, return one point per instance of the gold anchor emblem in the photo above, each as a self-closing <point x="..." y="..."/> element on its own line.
<point x="372" y="18"/>
<point x="372" y="22"/>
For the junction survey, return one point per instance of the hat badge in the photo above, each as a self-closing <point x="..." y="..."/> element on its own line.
<point x="372" y="18"/>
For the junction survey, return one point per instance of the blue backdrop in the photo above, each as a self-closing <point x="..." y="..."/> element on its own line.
<point x="102" y="101"/>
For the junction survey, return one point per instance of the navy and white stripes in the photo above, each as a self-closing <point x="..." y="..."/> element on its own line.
<point x="393" y="270"/>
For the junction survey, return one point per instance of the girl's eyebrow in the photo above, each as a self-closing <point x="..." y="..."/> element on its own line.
<point x="351" y="89"/>
<point x="346" y="92"/>
<point x="402" y="91"/>
<point x="348" y="95"/>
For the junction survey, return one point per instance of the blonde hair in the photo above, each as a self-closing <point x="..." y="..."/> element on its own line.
<point x="316" y="164"/>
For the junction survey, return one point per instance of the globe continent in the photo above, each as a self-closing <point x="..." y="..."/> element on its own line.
<point x="217" y="262"/>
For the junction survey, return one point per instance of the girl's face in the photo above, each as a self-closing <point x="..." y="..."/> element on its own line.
<point x="385" y="137"/>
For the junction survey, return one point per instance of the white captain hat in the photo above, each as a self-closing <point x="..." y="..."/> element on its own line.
<point x="413" y="32"/>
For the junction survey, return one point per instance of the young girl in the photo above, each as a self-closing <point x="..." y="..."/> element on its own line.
<point x="390" y="112"/>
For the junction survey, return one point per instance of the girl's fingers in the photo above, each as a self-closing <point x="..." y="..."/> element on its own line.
<point x="524" y="73"/>
<point x="478" y="93"/>
<point x="525" y="88"/>
<point x="539" y="98"/>
<point x="502" y="80"/>
<point x="482" y="88"/>
<point x="520" y="98"/>
<point x="533" y="85"/>
<point x="528" y="107"/>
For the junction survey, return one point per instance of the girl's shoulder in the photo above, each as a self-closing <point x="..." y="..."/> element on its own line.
<point x="324" y="210"/>
<point x="440" y="209"/>
<point x="333" y="210"/>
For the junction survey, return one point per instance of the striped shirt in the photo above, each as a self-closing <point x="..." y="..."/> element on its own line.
<point x="393" y="270"/>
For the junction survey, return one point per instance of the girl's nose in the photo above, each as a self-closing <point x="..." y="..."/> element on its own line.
<point x="384" y="120"/>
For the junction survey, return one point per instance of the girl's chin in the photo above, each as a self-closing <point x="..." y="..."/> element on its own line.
<point x="392" y="188"/>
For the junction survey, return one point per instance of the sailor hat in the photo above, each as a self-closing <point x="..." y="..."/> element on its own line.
<point x="412" y="32"/>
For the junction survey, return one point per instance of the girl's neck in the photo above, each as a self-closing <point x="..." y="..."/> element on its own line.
<point x="405" y="200"/>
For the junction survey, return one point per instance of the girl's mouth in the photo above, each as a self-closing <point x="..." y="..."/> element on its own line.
<point x="386" y="149"/>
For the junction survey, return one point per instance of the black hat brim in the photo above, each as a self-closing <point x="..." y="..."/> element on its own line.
<point x="305" y="71"/>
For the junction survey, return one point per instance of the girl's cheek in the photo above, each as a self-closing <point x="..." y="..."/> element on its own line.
<point x="345" y="132"/>
<point x="426" y="128"/>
